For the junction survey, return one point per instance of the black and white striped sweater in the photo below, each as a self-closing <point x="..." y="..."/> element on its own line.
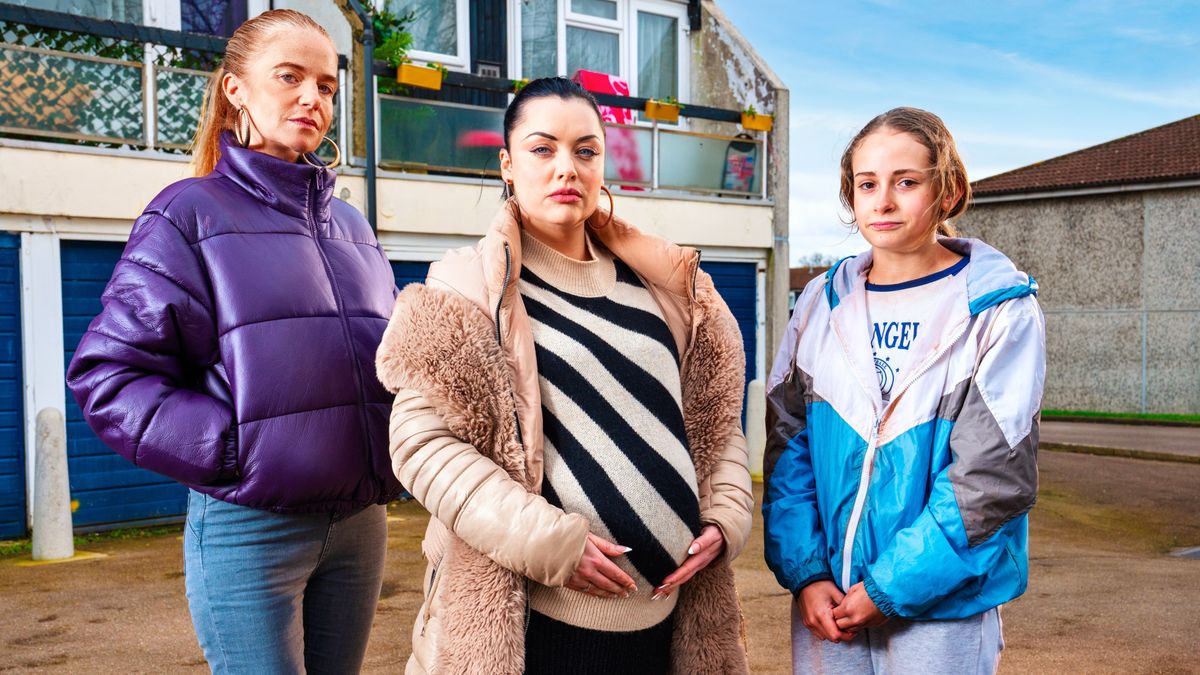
<point x="615" y="447"/>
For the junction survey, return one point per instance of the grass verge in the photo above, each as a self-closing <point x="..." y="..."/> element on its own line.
<point x="21" y="547"/>
<point x="1148" y="417"/>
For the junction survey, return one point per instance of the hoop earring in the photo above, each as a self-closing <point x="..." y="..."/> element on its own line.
<point x="337" y="157"/>
<point x="610" y="206"/>
<point x="243" y="121"/>
<point x="508" y="191"/>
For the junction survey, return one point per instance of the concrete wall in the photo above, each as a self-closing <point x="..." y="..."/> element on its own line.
<point x="1119" y="276"/>
<point x="728" y="73"/>
<point x="97" y="193"/>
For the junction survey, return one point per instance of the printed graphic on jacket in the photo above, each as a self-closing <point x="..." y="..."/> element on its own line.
<point x="897" y="313"/>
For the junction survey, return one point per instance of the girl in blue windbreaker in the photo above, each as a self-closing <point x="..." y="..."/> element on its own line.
<point x="902" y="417"/>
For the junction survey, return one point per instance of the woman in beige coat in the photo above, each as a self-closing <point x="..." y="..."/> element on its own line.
<point x="568" y="397"/>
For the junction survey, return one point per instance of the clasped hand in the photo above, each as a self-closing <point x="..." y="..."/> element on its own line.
<point x="599" y="576"/>
<point x="835" y="616"/>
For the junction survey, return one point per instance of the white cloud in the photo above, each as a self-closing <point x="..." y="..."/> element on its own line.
<point x="1159" y="38"/>
<point x="1183" y="96"/>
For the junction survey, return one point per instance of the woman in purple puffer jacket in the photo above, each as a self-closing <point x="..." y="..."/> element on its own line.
<point x="235" y="354"/>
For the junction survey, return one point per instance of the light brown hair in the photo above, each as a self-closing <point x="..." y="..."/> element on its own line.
<point x="216" y="113"/>
<point x="948" y="171"/>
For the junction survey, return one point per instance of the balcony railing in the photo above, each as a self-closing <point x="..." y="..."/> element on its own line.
<point x="438" y="137"/>
<point x="84" y="81"/>
<point x="107" y="83"/>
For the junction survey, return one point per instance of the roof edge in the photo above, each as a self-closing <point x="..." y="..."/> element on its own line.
<point x="1082" y="191"/>
<point x="1089" y="148"/>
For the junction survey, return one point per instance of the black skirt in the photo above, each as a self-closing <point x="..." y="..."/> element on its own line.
<point x="556" y="648"/>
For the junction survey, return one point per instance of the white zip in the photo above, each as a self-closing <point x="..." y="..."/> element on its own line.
<point x="864" y="479"/>
<point x="859" y="501"/>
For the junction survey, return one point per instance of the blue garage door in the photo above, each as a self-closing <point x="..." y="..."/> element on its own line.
<point x="409" y="272"/>
<point x="110" y="491"/>
<point x="736" y="282"/>
<point x="12" y="437"/>
<point x="738" y="285"/>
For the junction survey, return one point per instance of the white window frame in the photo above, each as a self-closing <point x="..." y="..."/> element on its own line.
<point x="589" y="21"/>
<point x="625" y="27"/>
<point x="162" y="14"/>
<point x="462" y="62"/>
<point x="586" y="22"/>
<point x="671" y="10"/>
<point x="167" y="13"/>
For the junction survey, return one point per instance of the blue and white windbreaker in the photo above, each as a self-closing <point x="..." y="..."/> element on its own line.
<point x="924" y="500"/>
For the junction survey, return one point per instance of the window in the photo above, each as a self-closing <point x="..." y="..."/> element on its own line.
<point x="641" y="41"/>
<point x="439" y="30"/>
<point x="212" y="17"/>
<point x="596" y="50"/>
<point x="604" y="9"/>
<point x="539" y="43"/>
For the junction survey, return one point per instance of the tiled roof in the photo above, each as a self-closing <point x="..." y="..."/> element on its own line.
<point x="800" y="276"/>
<point x="1167" y="153"/>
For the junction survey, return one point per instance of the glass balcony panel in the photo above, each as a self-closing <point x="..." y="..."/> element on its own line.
<point x="627" y="155"/>
<point x="437" y="136"/>
<point x="709" y="163"/>
<point x="126" y="11"/>
<point x="46" y="93"/>
<point x="178" y="94"/>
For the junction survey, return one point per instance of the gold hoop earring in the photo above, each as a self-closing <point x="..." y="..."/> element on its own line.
<point x="243" y="122"/>
<point x="610" y="207"/>
<point x="337" y="156"/>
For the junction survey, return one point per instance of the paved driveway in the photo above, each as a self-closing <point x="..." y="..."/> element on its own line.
<point x="1175" y="440"/>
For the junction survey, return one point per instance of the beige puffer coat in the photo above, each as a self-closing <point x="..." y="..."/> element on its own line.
<point x="466" y="441"/>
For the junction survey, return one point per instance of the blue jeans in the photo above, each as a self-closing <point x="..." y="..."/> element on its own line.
<point x="279" y="593"/>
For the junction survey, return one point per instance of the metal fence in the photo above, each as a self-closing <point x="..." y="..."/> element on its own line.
<point x="79" y="80"/>
<point x="1123" y="360"/>
<point x="83" y="87"/>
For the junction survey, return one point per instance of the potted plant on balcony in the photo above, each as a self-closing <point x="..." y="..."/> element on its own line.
<point x="394" y="40"/>
<point x="666" y="110"/>
<point x="425" y="77"/>
<point x="752" y="120"/>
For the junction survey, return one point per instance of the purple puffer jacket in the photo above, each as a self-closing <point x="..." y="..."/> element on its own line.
<point x="236" y="349"/>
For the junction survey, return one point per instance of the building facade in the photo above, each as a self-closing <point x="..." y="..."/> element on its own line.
<point x="1112" y="235"/>
<point x="92" y="126"/>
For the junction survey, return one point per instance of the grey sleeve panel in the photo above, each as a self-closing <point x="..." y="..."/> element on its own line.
<point x="952" y="403"/>
<point x="787" y="415"/>
<point x="993" y="483"/>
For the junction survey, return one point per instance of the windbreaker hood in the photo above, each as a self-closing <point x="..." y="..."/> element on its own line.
<point x="991" y="277"/>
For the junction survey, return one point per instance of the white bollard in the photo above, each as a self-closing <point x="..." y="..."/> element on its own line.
<point x="52" y="537"/>
<point x="756" y="426"/>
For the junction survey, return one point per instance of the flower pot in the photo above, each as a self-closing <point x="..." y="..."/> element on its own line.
<point x="663" y="112"/>
<point x="757" y="122"/>
<point x="419" y="76"/>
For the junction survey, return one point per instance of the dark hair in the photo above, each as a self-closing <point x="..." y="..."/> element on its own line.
<point x="540" y="88"/>
<point x="949" y="172"/>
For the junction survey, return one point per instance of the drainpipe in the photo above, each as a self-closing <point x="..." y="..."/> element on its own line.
<point x="368" y="23"/>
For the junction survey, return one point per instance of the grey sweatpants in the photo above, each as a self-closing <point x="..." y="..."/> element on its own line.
<point x="899" y="647"/>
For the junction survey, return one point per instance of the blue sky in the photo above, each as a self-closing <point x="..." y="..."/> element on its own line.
<point x="1016" y="81"/>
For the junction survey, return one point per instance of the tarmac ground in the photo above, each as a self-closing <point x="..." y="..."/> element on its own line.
<point x="1104" y="596"/>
